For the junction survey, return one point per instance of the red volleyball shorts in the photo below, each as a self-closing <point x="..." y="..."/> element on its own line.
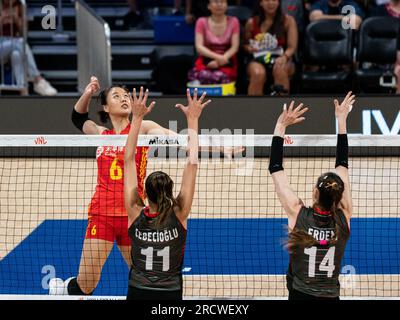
<point x="109" y="229"/>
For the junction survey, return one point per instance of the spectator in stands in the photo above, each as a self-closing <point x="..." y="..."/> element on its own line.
<point x="217" y="42"/>
<point x="11" y="48"/>
<point x="391" y="9"/>
<point x="271" y="41"/>
<point x="199" y="8"/>
<point x="294" y="8"/>
<point x="333" y="9"/>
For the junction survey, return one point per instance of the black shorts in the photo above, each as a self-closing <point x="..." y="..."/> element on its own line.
<point x="143" y="294"/>
<point x="295" y="295"/>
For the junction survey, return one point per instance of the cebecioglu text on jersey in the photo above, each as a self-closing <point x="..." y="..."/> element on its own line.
<point x="157" y="236"/>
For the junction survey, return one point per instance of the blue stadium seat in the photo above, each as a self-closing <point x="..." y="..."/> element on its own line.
<point x="172" y="29"/>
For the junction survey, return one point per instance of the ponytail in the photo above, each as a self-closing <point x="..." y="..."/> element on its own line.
<point x="159" y="190"/>
<point x="165" y="205"/>
<point x="300" y="239"/>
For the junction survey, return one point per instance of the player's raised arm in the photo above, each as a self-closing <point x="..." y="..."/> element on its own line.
<point x="289" y="200"/>
<point x="133" y="202"/>
<point x="192" y="111"/>
<point x="342" y="152"/>
<point x="80" y="113"/>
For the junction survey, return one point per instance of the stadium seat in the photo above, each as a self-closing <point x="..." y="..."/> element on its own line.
<point x="376" y="54"/>
<point x="173" y="60"/>
<point x="165" y="26"/>
<point x="328" y="46"/>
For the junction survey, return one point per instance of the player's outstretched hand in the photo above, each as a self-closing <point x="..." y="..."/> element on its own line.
<point x="291" y="115"/>
<point x="195" y="105"/>
<point x="342" y="110"/>
<point x="93" y="87"/>
<point x="139" y="104"/>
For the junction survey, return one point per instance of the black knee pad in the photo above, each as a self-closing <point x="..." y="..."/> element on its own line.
<point x="75" y="290"/>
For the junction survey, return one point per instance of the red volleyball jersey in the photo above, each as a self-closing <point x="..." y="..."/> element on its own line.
<point x="108" y="198"/>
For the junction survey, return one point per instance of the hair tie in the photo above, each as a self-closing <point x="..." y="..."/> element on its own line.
<point x="323" y="242"/>
<point x="332" y="185"/>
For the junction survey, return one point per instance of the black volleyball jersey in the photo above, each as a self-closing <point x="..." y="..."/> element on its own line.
<point x="315" y="270"/>
<point x="157" y="252"/>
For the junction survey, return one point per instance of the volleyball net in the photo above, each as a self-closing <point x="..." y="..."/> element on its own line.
<point x="237" y="227"/>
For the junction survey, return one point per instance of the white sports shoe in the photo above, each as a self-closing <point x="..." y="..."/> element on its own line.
<point x="59" y="287"/>
<point x="44" y="88"/>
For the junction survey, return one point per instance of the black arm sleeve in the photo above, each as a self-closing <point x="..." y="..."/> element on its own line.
<point x="342" y="151"/>
<point x="79" y="119"/>
<point x="276" y="157"/>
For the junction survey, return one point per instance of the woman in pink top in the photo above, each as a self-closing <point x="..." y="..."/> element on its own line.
<point x="217" y="42"/>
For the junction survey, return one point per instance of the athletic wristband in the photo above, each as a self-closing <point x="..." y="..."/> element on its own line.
<point x="342" y="151"/>
<point x="276" y="157"/>
<point x="79" y="119"/>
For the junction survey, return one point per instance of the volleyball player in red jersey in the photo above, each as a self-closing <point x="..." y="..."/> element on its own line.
<point x="108" y="220"/>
